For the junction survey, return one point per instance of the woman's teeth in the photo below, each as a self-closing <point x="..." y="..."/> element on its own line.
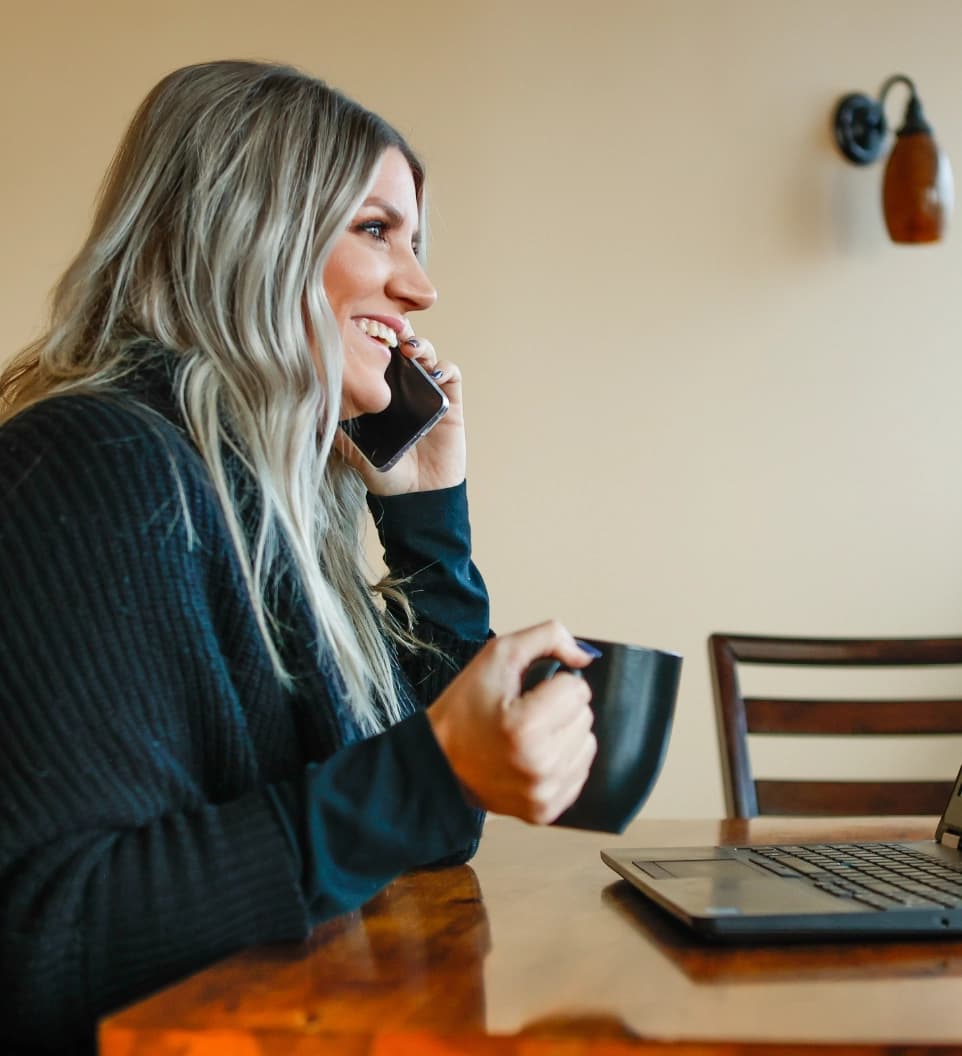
<point x="373" y="328"/>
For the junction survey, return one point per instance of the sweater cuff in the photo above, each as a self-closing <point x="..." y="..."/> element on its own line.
<point x="426" y="537"/>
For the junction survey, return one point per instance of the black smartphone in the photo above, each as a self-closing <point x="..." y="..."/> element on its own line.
<point x="417" y="405"/>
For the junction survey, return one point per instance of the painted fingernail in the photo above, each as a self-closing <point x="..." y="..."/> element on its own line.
<point x="437" y="373"/>
<point x="413" y="342"/>
<point x="589" y="649"/>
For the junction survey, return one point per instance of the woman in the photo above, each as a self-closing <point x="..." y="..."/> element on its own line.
<point x="210" y="734"/>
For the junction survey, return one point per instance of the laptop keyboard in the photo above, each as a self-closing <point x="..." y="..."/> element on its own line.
<point x="880" y="875"/>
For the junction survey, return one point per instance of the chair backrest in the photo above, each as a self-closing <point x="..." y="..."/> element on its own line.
<point x="738" y="716"/>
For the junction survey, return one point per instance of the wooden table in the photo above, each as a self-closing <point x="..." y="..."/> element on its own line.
<point x="538" y="949"/>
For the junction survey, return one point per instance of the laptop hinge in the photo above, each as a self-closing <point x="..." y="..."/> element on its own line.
<point x="950" y="839"/>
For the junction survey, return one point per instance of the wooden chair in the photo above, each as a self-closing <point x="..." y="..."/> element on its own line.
<point x="738" y="716"/>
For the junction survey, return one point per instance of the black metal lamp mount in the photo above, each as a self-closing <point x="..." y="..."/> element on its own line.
<point x="860" y="125"/>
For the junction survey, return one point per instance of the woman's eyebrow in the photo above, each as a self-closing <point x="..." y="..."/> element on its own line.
<point x="394" y="215"/>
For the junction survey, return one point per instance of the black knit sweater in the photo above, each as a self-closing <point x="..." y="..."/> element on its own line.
<point x="163" y="800"/>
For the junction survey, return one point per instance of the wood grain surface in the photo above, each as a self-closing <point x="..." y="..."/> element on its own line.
<point x="537" y="949"/>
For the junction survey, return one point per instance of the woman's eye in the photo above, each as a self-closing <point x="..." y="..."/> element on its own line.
<point x="375" y="228"/>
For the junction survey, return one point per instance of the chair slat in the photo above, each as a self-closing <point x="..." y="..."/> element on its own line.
<point x="851" y="798"/>
<point x="835" y="652"/>
<point x="852" y="717"/>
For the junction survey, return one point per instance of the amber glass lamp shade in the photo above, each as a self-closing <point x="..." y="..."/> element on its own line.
<point x="917" y="189"/>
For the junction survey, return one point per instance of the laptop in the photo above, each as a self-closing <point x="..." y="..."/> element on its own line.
<point x="807" y="891"/>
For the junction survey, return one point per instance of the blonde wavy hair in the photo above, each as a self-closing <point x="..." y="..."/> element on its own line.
<point x="214" y="223"/>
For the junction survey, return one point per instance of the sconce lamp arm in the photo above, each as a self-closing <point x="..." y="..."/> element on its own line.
<point x="896" y="78"/>
<point x="914" y="121"/>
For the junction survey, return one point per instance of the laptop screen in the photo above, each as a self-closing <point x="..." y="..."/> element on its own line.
<point x="950" y="824"/>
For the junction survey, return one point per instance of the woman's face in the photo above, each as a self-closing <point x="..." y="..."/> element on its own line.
<point x="373" y="279"/>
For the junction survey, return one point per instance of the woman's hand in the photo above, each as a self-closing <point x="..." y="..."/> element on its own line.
<point x="437" y="460"/>
<point x="525" y="755"/>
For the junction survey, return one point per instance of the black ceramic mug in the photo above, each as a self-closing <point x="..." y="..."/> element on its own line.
<point x="633" y="692"/>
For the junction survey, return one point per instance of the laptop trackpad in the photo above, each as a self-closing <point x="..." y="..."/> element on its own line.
<point x="717" y="869"/>
<point x="727" y="886"/>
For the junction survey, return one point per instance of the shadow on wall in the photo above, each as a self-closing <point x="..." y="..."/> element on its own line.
<point x="831" y="206"/>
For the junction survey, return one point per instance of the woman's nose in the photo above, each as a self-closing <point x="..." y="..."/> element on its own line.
<point x="411" y="284"/>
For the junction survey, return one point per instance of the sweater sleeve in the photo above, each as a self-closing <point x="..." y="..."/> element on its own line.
<point x="426" y="538"/>
<point x="342" y="866"/>
<point x="140" y="836"/>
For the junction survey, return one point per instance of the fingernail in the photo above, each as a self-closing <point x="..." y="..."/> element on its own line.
<point x="436" y="373"/>
<point x="413" y="342"/>
<point x="589" y="649"/>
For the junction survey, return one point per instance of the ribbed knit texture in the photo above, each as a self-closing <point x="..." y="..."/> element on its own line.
<point x="148" y="756"/>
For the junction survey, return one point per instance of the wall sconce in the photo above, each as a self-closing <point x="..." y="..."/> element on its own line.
<point x="917" y="192"/>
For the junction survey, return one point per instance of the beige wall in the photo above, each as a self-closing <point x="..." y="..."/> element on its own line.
<point x="704" y="390"/>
